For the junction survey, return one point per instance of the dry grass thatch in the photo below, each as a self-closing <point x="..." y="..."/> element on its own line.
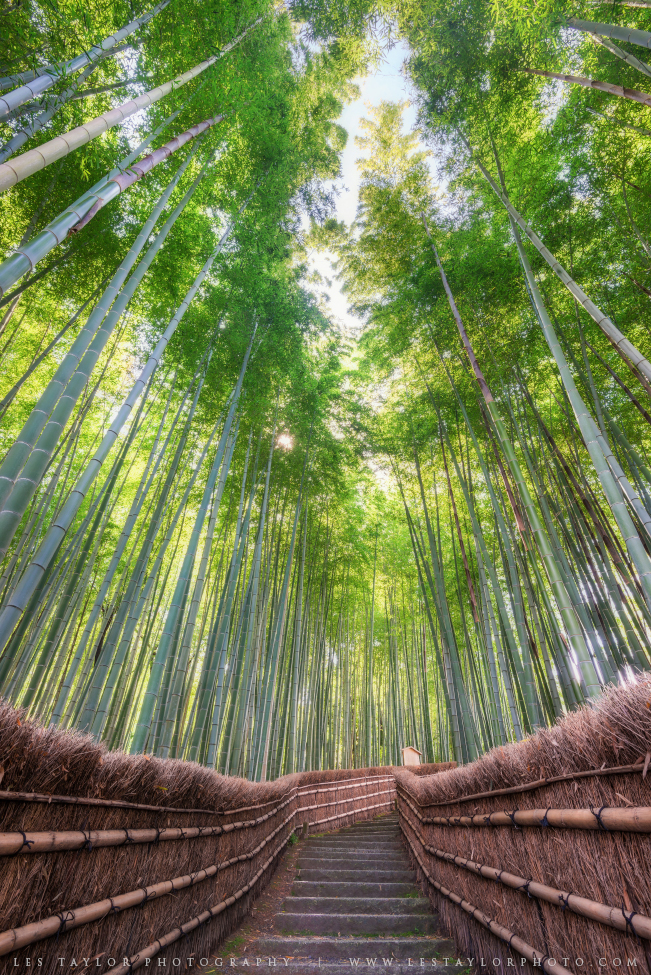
<point x="432" y="768"/>
<point x="612" y="868"/>
<point x="37" y="886"/>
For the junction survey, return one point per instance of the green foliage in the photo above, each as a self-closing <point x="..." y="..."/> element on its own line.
<point x="390" y="586"/>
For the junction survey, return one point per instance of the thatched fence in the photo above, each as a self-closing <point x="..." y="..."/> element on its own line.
<point x="538" y="856"/>
<point x="123" y="862"/>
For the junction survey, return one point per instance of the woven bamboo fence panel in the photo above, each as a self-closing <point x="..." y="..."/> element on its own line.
<point x="533" y="874"/>
<point x="106" y="857"/>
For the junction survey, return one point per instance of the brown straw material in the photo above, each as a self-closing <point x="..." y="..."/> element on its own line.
<point x="145" y="793"/>
<point x="637" y="924"/>
<point x="432" y="768"/>
<point x="516" y="790"/>
<point x="600" y="856"/>
<point x="496" y="929"/>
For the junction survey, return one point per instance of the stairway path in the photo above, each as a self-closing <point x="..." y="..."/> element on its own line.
<point x="354" y="903"/>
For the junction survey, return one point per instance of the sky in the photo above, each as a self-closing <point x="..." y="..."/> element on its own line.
<point x="388" y="83"/>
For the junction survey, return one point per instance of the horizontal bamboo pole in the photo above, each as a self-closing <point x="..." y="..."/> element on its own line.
<point x="514" y="942"/>
<point x="67" y="920"/>
<point x="11" y="796"/>
<point x="153" y="949"/>
<point x="530" y="786"/>
<point x="614" y="917"/>
<point x="27" y="934"/>
<point x="50" y="841"/>
<point x="56" y="842"/>
<point x="634" y="819"/>
<point x="304" y="789"/>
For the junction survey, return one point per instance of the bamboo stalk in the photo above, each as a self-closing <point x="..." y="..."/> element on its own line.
<point x="45" y="79"/>
<point x="34" y="160"/>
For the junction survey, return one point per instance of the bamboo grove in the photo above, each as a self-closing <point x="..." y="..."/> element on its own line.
<point x="233" y="533"/>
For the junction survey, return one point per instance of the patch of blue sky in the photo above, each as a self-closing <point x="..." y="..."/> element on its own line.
<point x="387" y="83"/>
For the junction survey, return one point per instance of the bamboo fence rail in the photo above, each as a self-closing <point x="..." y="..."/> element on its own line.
<point x="636" y="819"/>
<point x="540" y="783"/>
<point x="638" y="924"/>
<point x="78" y="856"/>
<point x="569" y="859"/>
<point x="562" y="880"/>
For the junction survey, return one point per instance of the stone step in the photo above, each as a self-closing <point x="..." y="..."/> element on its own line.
<point x="399" y="875"/>
<point x="357" y="837"/>
<point x="362" y="843"/>
<point x="368" y="853"/>
<point x="386" y="836"/>
<point x="330" y="888"/>
<point x="360" y="830"/>
<point x="361" y="861"/>
<point x="370" y="829"/>
<point x="367" y="839"/>
<point x="322" y="904"/>
<point x="333" y="950"/>
<point x="369" y="924"/>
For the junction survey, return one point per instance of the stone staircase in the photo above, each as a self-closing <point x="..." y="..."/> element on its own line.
<point x="355" y="904"/>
